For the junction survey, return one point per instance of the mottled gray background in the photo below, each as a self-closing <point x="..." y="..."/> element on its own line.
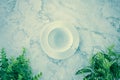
<point x="21" y="21"/>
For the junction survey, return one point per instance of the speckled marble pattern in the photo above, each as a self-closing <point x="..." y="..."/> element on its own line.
<point x="21" y="21"/>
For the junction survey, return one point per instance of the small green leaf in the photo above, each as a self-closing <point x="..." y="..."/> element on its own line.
<point x="84" y="70"/>
<point x="110" y="51"/>
<point x="111" y="47"/>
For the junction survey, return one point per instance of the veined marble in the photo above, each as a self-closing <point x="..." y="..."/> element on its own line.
<point x="21" y="21"/>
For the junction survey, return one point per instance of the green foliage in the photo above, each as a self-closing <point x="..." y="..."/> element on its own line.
<point x="103" y="66"/>
<point x="16" y="68"/>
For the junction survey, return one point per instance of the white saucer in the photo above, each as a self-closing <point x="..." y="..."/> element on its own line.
<point x="59" y="40"/>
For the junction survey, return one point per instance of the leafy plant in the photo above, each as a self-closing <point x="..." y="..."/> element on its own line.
<point x="16" y="68"/>
<point x="103" y="66"/>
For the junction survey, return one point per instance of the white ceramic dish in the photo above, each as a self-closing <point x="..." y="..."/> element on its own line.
<point x="59" y="40"/>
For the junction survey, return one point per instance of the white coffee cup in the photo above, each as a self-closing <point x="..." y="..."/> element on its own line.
<point x="59" y="40"/>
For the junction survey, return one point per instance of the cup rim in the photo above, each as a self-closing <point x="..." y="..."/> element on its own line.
<point x="65" y="47"/>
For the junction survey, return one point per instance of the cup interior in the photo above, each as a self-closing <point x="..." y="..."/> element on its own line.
<point x="59" y="38"/>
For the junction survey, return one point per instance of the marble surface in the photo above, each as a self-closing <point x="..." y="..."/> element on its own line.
<point x="21" y="21"/>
